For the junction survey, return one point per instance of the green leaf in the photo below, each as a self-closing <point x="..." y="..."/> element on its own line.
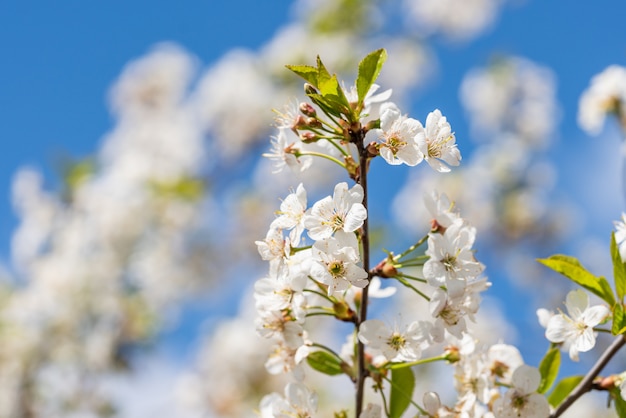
<point x="571" y="268"/>
<point x="549" y="369"/>
<point x="620" y="404"/>
<point x="324" y="362"/>
<point x="324" y="103"/>
<point x="307" y="72"/>
<point x="402" y="385"/>
<point x="562" y="389"/>
<point x="619" y="319"/>
<point x="619" y="270"/>
<point x="369" y="68"/>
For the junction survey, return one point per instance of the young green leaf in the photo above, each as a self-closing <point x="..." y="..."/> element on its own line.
<point x="562" y="389"/>
<point x="305" y="71"/>
<point x="402" y="385"/>
<point x="620" y="404"/>
<point x="571" y="268"/>
<point x="619" y="270"/>
<point x="549" y="369"/>
<point x="369" y="68"/>
<point x="324" y="362"/>
<point x="619" y="319"/>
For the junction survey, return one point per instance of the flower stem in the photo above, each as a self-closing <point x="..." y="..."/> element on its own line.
<point x="321" y="155"/>
<point x="586" y="384"/>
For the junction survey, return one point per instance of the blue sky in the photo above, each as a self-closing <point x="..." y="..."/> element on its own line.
<point x="59" y="58"/>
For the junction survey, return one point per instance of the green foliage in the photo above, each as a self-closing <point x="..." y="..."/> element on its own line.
<point x="619" y="319"/>
<point x="571" y="268"/>
<point x="328" y="94"/>
<point x="402" y="385"/>
<point x="325" y="362"/>
<point x="620" y="404"/>
<point x="562" y="389"/>
<point x="369" y="69"/>
<point x="349" y="16"/>
<point x="619" y="270"/>
<point x="307" y="72"/>
<point x="186" y="188"/>
<point x="549" y="369"/>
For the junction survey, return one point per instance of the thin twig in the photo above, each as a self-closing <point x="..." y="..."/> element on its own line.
<point x="585" y="385"/>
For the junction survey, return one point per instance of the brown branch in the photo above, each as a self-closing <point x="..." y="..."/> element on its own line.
<point x="586" y="384"/>
<point x="362" y="373"/>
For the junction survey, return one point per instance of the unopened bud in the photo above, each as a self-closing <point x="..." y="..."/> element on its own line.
<point x="389" y="270"/>
<point x="309" y="89"/>
<point x="313" y="122"/>
<point x="299" y="123"/>
<point x="343" y="311"/>
<point x="307" y="109"/>
<point x="308" y="137"/>
<point x="607" y="383"/>
<point x="372" y="149"/>
<point x="452" y="354"/>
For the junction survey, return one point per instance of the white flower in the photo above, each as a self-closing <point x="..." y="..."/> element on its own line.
<point x="433" y="407"/>
<point x="274" y="248"/>
<point x="376" y="291"/>
<point x="371" y="411"/>
<point x="283" y="360"/>
<point x="620" y="236"/>
<point x="283" y="153"/>
<point x="622" y="389"/>
<point x="606" y="94"/>
<point x="394" y="344"/>
<point x="522" y="400"/>
<point x="281" y="293"/>
<point x="298" y="402"/>
<point x="335" y="261"/>
<point x="371" y="102"/>
<point x="276" y="324"/>
<point x="398" y="134"/>
<point x="451" y="256"/>
<point x="576" y="328"/>
<point x="291" y="214"/>
<point x="436" y="142"/>
<point x="344" y="211"/>
<point x="440" y="208"/>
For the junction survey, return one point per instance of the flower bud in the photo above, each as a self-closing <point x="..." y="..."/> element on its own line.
<point x="307" y="109"/>
<point x="372" y="149"/>
<point x="309" y="89"/>
<point x="308" y="137"/>
<point x="452" y="354"/>
<point x="313" y="122"/>
<point x="343" y="312"/>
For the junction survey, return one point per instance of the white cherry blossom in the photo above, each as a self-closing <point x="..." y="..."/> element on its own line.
<point x="394" y="344"/>
<point x="620" y="236"/>
<point x="299" y="402"/>
<point x="606" y="94"/>
<point x="576" y="328"/>
<point x="335" y="263"/>
<point x="397" y="134"/>
<point x="282" y="152"/>
<point x="451" y="256"/>
<point x="344" y="211"/>
<point x="291" y="214"/>
<point x="522" y="400"/>
<point x="437" y="143"/>
<point x="371" y="411"/>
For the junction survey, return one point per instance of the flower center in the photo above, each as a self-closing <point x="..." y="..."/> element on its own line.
<point x="394" y="143"/>
<point x="396" y="341"/>
<point x="336" y="268"/>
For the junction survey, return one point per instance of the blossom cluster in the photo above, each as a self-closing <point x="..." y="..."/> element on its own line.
<point x="323" y="272"/>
